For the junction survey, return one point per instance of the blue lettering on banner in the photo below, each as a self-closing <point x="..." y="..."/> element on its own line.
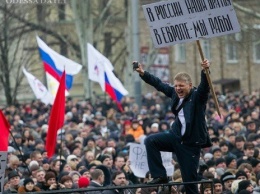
<point x="139" y="152"/>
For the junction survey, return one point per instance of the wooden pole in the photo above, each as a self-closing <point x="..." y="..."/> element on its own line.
<point x="208" y="78"/>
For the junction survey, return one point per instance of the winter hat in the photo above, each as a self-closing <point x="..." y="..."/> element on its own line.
<point x="254" y="162"/>
<point x="244" y="191"/>
<point x="83" y="182"/>
<point x="229" y="159"/>
<point x="103" y="157"/>
<point x="219" y="161"/>
<point x="49" y="175"/>
<point x="27" y="180"/>
<point x="208" y="156"/>
<point x="12" y="174"/>
<point x="216" y="148"/>
<point x="243" y="185"/>
<point x="215" y="180"/>
<point x="71" y="157"/>
<point x="83" y="171"/>
<point x="227" y="176"/>
<point x="241" y="173"/>
<point x="62" y="174"/>
<point x="80" y="164"/>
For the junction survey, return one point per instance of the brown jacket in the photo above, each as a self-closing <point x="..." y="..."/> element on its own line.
<point x="21" y="189"/>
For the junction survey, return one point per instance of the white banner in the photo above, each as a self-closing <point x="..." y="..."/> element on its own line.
<point x="179" y="21"/>
<point x="138" y="160"/>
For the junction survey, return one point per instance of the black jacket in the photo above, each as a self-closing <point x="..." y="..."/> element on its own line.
<point x="196" y="133"/>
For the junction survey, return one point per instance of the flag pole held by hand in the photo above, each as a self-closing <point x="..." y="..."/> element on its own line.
<point x="208" y="78"/>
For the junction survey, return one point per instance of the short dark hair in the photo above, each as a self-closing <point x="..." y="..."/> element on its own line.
<point x="249" y="145"/>
<point x="96" y="173"/>
<point x="116" y="173"/>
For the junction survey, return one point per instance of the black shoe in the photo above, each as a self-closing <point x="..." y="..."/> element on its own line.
<point x="159" y="180"/>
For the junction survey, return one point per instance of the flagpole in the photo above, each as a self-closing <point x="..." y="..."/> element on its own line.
<point x="60" y="149"/>
<point x="209" y="80"/>
<point x="136" y="49"/>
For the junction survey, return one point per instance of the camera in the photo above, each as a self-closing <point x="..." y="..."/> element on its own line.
<point x="135" y="65"/>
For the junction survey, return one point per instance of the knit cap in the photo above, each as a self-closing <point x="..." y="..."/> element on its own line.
<point x="229" y="159"/>
<point x="12" y="174"/>
<point x="241" y="173"/>
<point x="83" y="182"/>
<point x="243" y="185"/>
<point x="27" y="180"/>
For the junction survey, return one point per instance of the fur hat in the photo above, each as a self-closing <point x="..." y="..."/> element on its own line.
<point x="83" y="182"/>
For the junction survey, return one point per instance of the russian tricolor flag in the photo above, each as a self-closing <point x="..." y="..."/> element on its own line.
<point x="54" y="65"/>
<point x="100" y="70"/>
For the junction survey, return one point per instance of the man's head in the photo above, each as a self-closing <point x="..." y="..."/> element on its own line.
<point x="107" y="160"/>
<point x="239" y="142"/>
<point x="227" y="178"/>
<point x="40" y="176"/>
<point x="72" y="160"/>
<point x="218" y="188"/>
<point x="119" y="162"/>
<point x="14" y="178"/>
<point x="118" y="178"/>
<point x="182" y="84"/>
<point x="98" y="176"/>
<point x="13" y="162"/>
<point x="249" y="149"/>
<point x="37" y="156"/>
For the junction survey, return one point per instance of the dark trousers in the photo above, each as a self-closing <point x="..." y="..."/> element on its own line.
<point x="188" y="157"/>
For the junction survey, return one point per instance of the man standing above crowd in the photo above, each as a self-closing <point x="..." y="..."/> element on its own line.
<point x="188" y="133"/>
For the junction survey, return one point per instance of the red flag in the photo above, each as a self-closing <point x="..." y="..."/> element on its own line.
<point x="56" y="117"/>
<point x="4" y="131"/>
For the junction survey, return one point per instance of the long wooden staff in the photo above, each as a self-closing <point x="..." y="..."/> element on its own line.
<point x="208" y="78"/>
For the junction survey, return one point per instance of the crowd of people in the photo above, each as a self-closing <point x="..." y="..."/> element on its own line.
<point x="93" y="146"/>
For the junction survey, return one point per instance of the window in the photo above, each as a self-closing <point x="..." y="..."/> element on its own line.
<point x="231" y="49"/>
<point x="256" y="51"/>
<point x="180" y="53"/>
<point x="205" y="45"/>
